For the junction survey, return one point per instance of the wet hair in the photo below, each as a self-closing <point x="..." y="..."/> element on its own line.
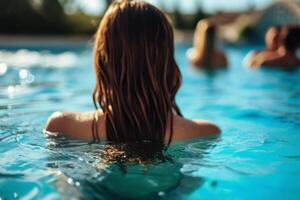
<point x="137" y="77"/>
<point x="292" y="38"/>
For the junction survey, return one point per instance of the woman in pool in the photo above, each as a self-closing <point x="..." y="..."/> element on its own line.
<point x="273" y="42"/>
<point x="205" y="54"/>
<point x="137" y="79"/>
<point x="284" y="53"/>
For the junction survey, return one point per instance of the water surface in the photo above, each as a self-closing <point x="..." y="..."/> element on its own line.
<point x="256" y="157"/>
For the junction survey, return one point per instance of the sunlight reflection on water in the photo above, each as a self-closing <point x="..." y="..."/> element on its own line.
<point x="258" y="111"/>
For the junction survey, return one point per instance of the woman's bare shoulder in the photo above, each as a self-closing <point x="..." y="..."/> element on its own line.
<point x="77" y="125"/>
<point x="187" y="129"/>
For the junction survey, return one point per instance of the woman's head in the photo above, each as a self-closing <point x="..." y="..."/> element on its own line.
<point x="204" y="42"/>
<point x="273" y="38"/>
<point x="205" y="35"/>
<point x="136" y="73"/>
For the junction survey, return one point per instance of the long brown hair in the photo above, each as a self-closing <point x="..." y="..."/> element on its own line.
<point x="137" y="77"/>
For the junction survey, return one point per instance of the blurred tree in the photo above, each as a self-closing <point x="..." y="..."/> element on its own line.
<point x="187" y="21"/>
<point x="25" y="16"/>
<point x="52" y="10"/>
<point x="49" y="17"/>
<point x="178" y="19"/>
<point x="199" y="15"/>
<point x="53" y="14"/>
<point x="15" y="15"/>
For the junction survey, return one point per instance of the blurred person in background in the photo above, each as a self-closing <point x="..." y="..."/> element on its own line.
<point x="273" y="42"/>
<point x="205" y="53"/>
<point x="281" y="49"/>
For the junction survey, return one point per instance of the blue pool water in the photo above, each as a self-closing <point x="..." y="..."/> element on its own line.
<point x="256" y="157"/>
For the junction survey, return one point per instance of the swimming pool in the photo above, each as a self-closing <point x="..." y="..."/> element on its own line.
<point x="256" y="157"/>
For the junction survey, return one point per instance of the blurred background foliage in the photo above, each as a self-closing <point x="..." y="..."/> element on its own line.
<point x="237" y="20"/>
<point x="54" y="17"/>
